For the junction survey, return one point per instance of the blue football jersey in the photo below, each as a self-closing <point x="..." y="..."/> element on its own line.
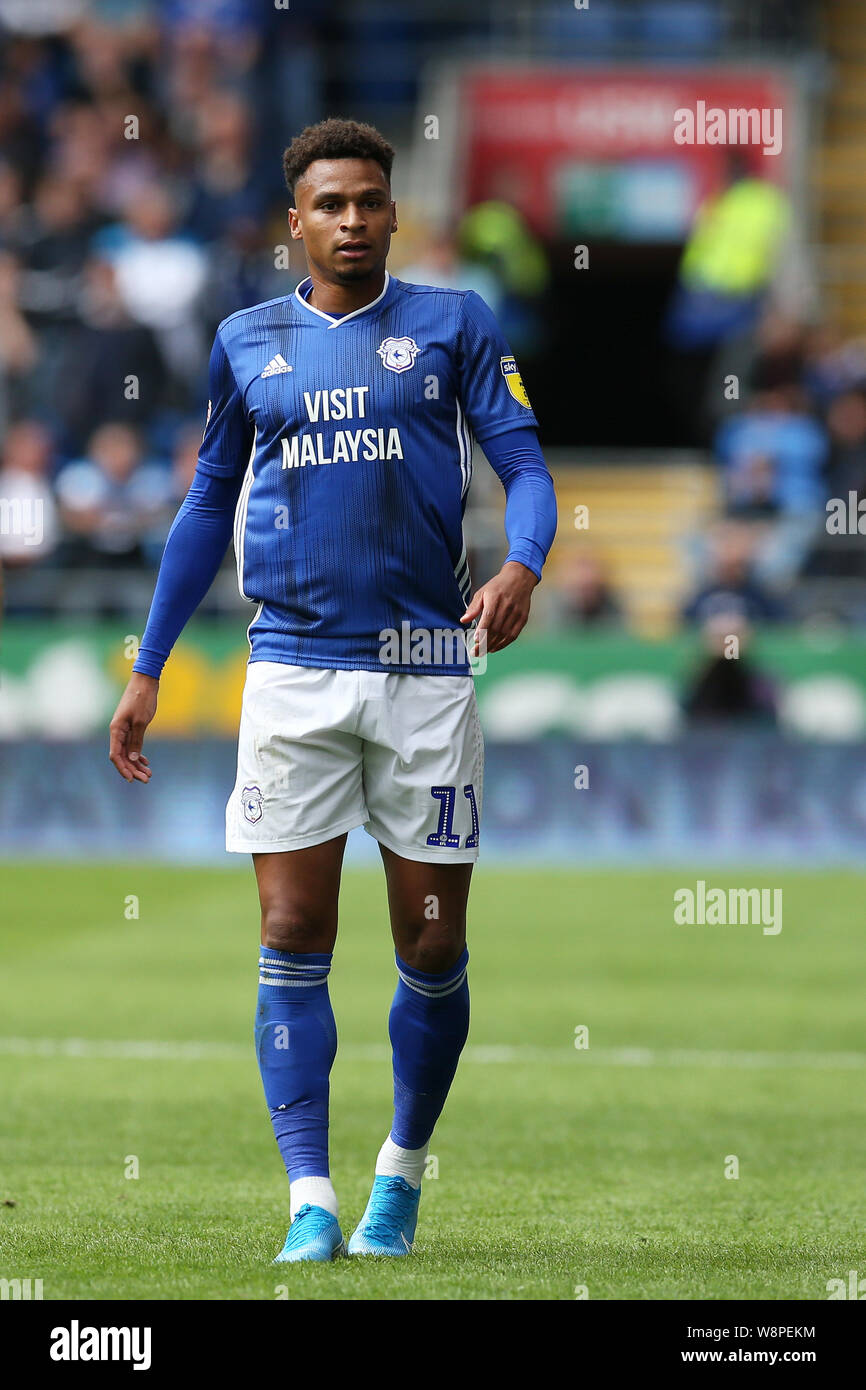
<point x="354" y="436"/>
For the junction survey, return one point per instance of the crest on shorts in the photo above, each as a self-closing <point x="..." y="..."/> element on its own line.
<point x="514" y="381"/>
<point x="398" y="354"/>
<point x="251" y="799"/>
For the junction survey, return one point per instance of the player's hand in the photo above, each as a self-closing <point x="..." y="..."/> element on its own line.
<point x="501" y="607"/>
<point x="132" y="716"/>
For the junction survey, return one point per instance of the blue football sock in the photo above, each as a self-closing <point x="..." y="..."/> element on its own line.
<point x="296" y="1042"/>
<point x="428" y="1024"/>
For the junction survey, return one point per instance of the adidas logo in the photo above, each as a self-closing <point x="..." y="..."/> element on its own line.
<point x="276" y="365"/>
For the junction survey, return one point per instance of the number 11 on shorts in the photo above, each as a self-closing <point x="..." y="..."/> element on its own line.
<point x="444" y="836"/>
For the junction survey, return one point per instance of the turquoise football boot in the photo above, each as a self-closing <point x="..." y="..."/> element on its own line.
<point x="313" y="1235"/>
<point x="388" y="1225"/>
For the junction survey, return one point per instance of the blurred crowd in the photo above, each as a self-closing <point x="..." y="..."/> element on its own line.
<point x="789" y="443"/>
<point x="138" y="207"/>
<point x="778" y="399"/>
<point x="141" y="201"/>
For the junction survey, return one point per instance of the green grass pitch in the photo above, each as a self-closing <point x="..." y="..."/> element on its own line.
<point x="559" y="1170"/>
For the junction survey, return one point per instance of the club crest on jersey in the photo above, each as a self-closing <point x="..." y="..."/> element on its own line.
<point x="251" y="798"/>
<point x="514" y="381"/>
<point x="398" y="354"/>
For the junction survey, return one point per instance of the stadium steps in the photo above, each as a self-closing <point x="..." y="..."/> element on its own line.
<point x="838" y="173"/>
<point x="640" y="522"/>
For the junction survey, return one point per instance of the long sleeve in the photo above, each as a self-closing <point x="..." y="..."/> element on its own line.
<point x="530" y="507"/>
<point x="194" y="550"/>
<point x="202" y="529"/>
<point x="502" y="420"/>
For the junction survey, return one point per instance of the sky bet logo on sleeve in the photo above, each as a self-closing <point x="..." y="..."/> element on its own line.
<point x="514" y="381"/>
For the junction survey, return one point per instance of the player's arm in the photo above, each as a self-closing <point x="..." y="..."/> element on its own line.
<point x="502" y="420"/>
<point x="501" y="606"/>
<point x="194" y="551"/>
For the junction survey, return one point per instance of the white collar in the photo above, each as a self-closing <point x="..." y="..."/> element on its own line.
<point x="333" y="322"/>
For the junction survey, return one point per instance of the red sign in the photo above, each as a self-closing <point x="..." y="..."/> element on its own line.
<point x="523" y="126"/>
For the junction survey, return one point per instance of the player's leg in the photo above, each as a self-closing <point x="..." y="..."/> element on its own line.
<point x="423" y="776"/>
<point x="298" y="791"/>
<point x="428" y="1025"/>
<point x="429" y="1019"/>
<point x="296" y="1037"/>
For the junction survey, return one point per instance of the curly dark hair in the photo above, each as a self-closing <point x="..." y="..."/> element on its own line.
<point x="335" y="139"/>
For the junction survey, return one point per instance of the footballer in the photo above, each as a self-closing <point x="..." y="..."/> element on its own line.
<point x="338" y="455"/>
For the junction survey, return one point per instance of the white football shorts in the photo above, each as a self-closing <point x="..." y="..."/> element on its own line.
<point x="321" y="752"/>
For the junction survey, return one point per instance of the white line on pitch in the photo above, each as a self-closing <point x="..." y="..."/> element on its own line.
<point x="156" y="1051"/>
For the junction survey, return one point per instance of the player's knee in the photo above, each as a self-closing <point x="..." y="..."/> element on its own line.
<point x="287" y="929"/>
<point x="435" y="951"/>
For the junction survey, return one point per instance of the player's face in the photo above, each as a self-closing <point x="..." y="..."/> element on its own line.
<point x="345" y="217"/>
